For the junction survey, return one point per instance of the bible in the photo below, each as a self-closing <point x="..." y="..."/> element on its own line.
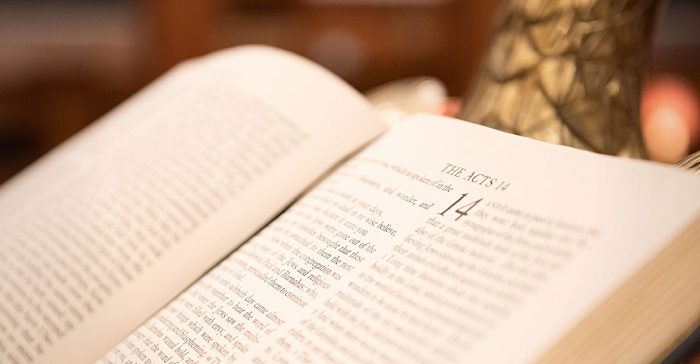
<point x="249" y="206"/>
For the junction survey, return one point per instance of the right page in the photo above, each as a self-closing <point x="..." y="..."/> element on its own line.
<point x="443" y="241"/>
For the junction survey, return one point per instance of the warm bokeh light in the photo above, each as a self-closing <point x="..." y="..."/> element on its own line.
<point x="670" y="118"/>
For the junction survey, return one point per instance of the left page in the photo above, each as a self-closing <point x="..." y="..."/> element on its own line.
<point x="107" y="228"/>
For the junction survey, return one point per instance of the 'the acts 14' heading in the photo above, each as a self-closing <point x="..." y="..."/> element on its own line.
<point x="475" y="177"/>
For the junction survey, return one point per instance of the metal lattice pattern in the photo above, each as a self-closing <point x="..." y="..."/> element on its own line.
<point x="567" y="72"/>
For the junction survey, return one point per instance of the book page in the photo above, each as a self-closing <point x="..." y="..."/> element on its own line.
<point x="441" y="242"/>
<point x="102" y="232"/>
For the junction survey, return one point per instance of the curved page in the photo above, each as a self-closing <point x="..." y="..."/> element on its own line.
<point x="102" y="232"/>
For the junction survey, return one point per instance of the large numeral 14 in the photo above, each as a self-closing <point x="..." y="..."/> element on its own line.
<point x="464" y="210"/>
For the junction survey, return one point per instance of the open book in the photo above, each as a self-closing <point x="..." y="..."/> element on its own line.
<point x="250" y="206"/>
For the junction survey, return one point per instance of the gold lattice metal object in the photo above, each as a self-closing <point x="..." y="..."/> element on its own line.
<point x="567" y="72"/>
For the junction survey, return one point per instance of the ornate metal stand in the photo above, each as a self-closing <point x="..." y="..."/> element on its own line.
<point x="691" y="162"/>
<point x="567" y="72"/>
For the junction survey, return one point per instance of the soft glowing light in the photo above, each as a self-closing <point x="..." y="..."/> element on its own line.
<point x="670" y="118"/>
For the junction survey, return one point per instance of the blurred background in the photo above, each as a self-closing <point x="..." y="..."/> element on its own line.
<point x="65" y="63"/>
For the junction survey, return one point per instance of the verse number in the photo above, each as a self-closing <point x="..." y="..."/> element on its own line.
<point x="462" y="210"/>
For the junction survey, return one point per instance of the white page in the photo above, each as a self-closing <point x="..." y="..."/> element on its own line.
<point x="102" y="232"/>
<point x="377" y="265"/>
